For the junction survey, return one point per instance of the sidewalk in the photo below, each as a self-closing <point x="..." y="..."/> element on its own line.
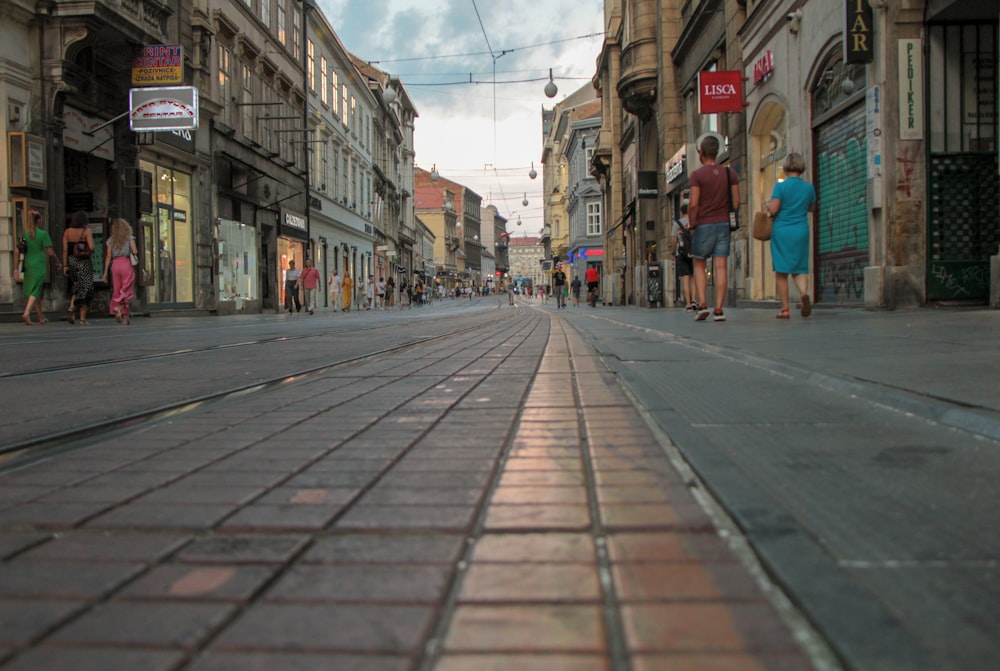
<point x="442" y="510"/>
<point x="939" y="363"/>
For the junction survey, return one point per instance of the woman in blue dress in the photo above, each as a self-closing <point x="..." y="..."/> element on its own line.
<point x="36" y="253"/>
<point x="790" y="202"/>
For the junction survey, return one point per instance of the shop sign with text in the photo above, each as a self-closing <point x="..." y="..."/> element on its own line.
<point x="720" y="92"/>
<point x="858" y="46"/>
<point x="158" y="64"/>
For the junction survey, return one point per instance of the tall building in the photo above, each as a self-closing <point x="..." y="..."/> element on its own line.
<point x="432" y="193"/>
<point x="526" y="256"/>
<point x="892" y="103"/>
<point x="285" y="131"/>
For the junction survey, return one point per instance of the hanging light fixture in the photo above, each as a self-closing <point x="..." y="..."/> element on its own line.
<point x="389" y="94"/>
<point x="525" y="201"/>
<point x="435" y="175"/>
<point x="551" y="89"/>
<point x="532" y="173"/>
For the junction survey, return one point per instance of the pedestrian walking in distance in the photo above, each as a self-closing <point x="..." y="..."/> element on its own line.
<point x="682" y="257"/>
<point x="309" y="280"/>
<point x="34" y="250"/>
<point x="292" y="288"/>
<point x="559" y="287"/>
<point x="713" y="187"/>
<point x="348" y="285"/>
<point x="118" y="258"/>
<point x="791" y="201"/>
<point x="78" y="247"/>
<point x="336" y="292"/>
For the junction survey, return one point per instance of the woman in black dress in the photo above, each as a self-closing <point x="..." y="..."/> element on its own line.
<point x="78" y="246"/>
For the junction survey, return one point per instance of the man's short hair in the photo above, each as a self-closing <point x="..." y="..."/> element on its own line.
<point x="710" y="147"/>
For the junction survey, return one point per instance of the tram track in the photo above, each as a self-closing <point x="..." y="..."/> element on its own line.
<point x="30" y="450"/>
<point x="189" y="351"/>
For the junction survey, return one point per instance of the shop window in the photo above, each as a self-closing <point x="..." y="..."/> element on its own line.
<point x="238" y="271"/>
<point x="171" y="227"/>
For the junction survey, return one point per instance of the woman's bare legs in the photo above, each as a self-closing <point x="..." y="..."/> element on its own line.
<point x="781" y="283"/>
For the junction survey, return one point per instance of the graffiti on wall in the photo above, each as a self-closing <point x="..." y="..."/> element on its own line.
<point x="842" y="221"/>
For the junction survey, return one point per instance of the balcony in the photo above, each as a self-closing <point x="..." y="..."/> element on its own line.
<point x="637" y="83"/>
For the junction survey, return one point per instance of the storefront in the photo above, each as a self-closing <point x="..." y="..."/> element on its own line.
<point x="841" y="222"/>
<point x="166" y="236"/>
<point x="292" y="241"/>
<point x="238" y="269"/>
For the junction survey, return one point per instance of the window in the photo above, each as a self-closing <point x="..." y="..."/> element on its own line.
<point x="322" y="156"/>
<point x="265" y="12"/>
<point x="345" y="175"/>
<point x="296" y="36"/>
<point x="344" y="109"/>
<point x="353" y="196"/>
<point x="354" y="116"/>
<point x="226" y="83"/>
<point x="324" y="86"/>
<point x="594" y="218"/>
<point x="282" y="36"/>
<point x="265" y="129"/>
<point x="335" y="93"/>
<point x="335" y="176"/>
<point x="247" y="98"/>
<point x="710" y="122"/>
<point x="311" y="64"/>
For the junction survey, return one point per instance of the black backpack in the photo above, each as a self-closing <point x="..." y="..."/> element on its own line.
<point x="683" y="240"/>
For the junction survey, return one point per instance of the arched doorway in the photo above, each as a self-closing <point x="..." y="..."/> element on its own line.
<point x="768" y="147"/>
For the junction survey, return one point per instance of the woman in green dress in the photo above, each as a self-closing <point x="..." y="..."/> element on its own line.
<point x="37" y="249"/>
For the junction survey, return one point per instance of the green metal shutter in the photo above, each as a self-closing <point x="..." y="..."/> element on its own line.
<point x="841" y="234"/>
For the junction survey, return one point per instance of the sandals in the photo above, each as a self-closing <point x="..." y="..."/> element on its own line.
<point x="783" y="314"/>
<point x="27" y="320"/>
<point x="806" y="306"/>
<point x="118" y="315"/>
<point x="72" y="316"/>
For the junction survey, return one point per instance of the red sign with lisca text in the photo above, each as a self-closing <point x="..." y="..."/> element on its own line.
<point x="720" y="92"/>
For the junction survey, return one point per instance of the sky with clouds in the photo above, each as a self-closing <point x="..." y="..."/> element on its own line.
<point x="478" y="134"/>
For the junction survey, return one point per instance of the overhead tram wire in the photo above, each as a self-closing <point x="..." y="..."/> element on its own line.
<point x="482" y="53"/>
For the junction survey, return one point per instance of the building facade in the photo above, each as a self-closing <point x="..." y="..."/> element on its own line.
<point x="290" y="133"/>
<point x="526" y="256"/>
<point x="436" y="209"/>
<point x="893" y="104"/>
<point x="458" y="249"/>
<point x="584" y="201"/>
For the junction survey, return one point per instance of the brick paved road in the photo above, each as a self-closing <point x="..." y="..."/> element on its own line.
<point x="483" y="503"/>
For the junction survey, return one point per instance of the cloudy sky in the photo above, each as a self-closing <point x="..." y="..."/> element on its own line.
<point x="482" y="136"/>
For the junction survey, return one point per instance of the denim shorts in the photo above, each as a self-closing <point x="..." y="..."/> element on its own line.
<point x="710" y="240"/>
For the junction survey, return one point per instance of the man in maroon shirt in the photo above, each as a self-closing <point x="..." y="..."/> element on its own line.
<point x="708" y="213"/>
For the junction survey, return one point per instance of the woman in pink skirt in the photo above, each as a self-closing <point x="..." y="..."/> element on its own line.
<point x="118" y="251"/>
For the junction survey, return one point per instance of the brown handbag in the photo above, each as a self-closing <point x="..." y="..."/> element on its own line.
<point x="762" y="225"/>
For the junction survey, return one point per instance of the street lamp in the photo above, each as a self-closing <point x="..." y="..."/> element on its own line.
<point x="435" y="175"/>
<point x="551" y="89"/>
<point x="389" y="94"/>
<point x="532" y="173"/>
